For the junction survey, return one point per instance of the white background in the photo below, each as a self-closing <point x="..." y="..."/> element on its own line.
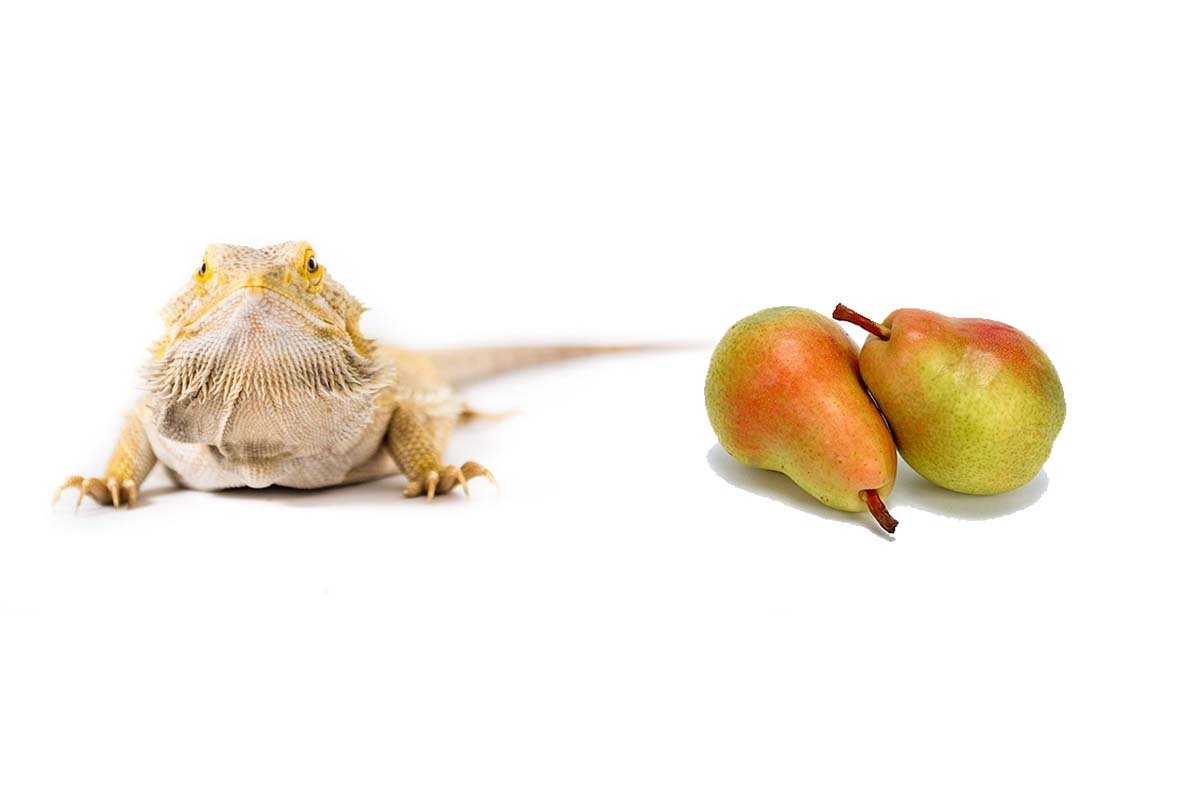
<point x="635" y="615"/>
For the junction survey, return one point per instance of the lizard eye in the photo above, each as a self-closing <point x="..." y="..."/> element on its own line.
<point x="204" y="273"/>
<point x="311" y="271"/>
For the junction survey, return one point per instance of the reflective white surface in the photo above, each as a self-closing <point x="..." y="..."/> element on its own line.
<point x="633" y="615"/>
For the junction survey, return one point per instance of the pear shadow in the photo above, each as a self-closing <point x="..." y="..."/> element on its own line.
<point x="779" y="487"/>
<point x="913" y="491"/>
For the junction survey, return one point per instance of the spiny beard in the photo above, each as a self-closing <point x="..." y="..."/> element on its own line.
<point x="259" y="365"/>
<point x="230" y="365"/>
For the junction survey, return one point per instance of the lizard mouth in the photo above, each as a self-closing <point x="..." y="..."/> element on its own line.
<point x="261" y="290"/>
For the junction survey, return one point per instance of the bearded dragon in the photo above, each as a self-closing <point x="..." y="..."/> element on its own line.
<point x="263" y="378"/>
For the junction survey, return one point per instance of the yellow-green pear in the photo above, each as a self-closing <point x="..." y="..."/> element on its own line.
<point x="974" y="405"/>
<point x="783" y="393"/>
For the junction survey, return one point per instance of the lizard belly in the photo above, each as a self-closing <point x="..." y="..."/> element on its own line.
<point x="208" y="467"/>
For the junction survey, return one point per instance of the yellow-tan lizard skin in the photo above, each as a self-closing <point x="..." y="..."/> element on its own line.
<point x="263" y="378"/>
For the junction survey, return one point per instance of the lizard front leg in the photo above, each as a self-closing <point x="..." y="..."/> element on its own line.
<point x="412" y="439"/>
<point x="131" y="462"/>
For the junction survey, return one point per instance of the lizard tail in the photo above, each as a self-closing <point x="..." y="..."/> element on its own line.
<point x="468" y="364"/>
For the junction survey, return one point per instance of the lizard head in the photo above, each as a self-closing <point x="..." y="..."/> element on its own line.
<point x="230" y="274"/>
<point x="262" y="356"/>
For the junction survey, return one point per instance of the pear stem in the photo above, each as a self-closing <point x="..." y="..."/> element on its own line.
<point x="870" y="326"/>
<point x="879" y="510"/>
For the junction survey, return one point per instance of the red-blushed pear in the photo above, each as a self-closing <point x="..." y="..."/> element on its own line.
<point x="974" y="404"/>
<point x="783" y="393"/>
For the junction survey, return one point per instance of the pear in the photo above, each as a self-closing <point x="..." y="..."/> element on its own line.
<point x="974" y="404"/>
<point x="783" y="393"/>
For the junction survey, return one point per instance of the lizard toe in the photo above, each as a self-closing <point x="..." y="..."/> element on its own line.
<point x="445" y="480"/>
<point x="112" y="490"/>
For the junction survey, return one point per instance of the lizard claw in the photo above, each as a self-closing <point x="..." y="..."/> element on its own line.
<point x="443" y="481"/>
<point x="474" y="470"/>
<point x="103" y="490"/>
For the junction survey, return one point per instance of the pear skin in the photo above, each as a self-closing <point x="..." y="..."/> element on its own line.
<point x="974" y="405"/>
<point x="783" y="393"/>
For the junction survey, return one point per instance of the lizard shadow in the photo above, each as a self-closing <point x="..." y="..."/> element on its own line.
<point x="146" y="497"/>
<point x="86" y="506"/>
<point x="385" y="491"/>
<point x="779" y="487"/>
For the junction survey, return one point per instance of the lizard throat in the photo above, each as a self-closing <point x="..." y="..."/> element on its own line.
<point x="253" y="375"/>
